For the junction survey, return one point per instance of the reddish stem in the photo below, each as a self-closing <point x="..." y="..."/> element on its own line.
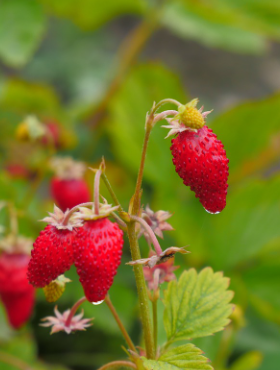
<point x="74" y="310"/>
<point x="150" y="232"/>
<point x="96" y="191"/>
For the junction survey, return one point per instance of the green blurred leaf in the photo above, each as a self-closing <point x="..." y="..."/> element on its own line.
<point x="194" y="22"/>
<point x="90" y="14"/>
<point x="246" y="225"/>
<point x="144" y="85"/>
<point x="22" y="24"/>
<point x="249" y="361"/>
<point x="255" y="122"/>
<point x="197" y="305"/>
<point x="25" y="98"/>
<point x="262" y="281"/>
<point x="186" y="357"/>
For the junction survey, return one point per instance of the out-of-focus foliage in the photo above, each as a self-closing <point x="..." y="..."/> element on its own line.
<point x="57" y="64"/>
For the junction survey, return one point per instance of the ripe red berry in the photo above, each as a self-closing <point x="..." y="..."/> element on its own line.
<point x="68" y="187"/>
<point x="97" y="253"/>
<point x="16" y="293"/>
<point x="201" y="162"/>
<point x="69" y="193"/>
<point x="51" y="256"/>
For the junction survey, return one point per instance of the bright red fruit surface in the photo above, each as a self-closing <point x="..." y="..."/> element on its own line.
<point x="200" y="160"/>
<point x="97" y="252"/>
<point x="69" y="193"/>
<point x="51" y="256"/>
<point x="16" y="293"/>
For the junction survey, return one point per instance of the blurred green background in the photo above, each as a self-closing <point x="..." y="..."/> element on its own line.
<point x="95" y="68"/>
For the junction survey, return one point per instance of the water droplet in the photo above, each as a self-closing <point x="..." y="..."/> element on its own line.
<point x="97" y="303"/>
<point x="212" y="213"/>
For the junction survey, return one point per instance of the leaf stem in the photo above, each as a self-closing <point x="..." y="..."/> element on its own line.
<point x="117" y="364"/>
<point x="120" y="324"/>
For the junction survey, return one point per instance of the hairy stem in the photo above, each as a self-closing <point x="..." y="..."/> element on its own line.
<point x="111" y="191"/>
<point x="155" y="325"/>
<point x="136" y="200"/>
<point x="117" y="364"/>
<point x="142" y="292"/>
<point x="74" y="310"/>
<point x="150" y="232"/>
<point x="120" y="324"/>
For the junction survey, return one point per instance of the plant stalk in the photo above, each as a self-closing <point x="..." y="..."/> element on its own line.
<point x="120" y="324"/>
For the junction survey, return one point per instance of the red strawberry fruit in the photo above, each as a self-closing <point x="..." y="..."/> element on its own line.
<point x="69" y="193"/>
<point x="68" y="188"/>
<point x="97" y="254"/>
<point x="52" y="252"/>
<point x="200" y="158"/>
<point x="16" y="293"/>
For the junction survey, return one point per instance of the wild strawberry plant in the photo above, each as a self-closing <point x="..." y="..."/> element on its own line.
<point x="90" y="235"/>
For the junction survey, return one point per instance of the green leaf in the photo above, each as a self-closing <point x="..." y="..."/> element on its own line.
<point x="256" y="121"/>
<point x="24" y="98"/>
<point x="92" y="14"/>
<point x="249" y="222"/>
<point x="186" y="357"/>
<point x="249" y="361"/>
<point x="197" y="305"/>
<point x="22" y="24"/>
<point x="144" y="85"/>
<point x="193" y="22"/>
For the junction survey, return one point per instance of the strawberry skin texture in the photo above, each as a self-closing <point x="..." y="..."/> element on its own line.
<point x="200" y="160"/>
<point x="69" y="193"/>
<point x="97" y="252"/>
<point x="51" y="256"/>
<point x="16" y="293"/>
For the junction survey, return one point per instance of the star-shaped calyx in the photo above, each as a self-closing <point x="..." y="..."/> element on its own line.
<point x="156" y="221"/>
<point x="64" y="220"/>
<point x="60" y="322"/>
<point x="188" y="118"/>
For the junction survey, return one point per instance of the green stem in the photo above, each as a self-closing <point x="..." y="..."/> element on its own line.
<point x="111" y="191"/>
<point x="155" y="326"/>
<point x="120" y="324"/>
<point x="142" y="292"/>
<point x="117" y="365"/>
<point x="136" y="200"/>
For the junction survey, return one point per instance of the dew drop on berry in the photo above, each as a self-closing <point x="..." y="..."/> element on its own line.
<point x="97" y="303"/>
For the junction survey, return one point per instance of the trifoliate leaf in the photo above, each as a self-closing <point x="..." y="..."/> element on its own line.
<point x="186" y="357"/>
<point x="197" y="305"/>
